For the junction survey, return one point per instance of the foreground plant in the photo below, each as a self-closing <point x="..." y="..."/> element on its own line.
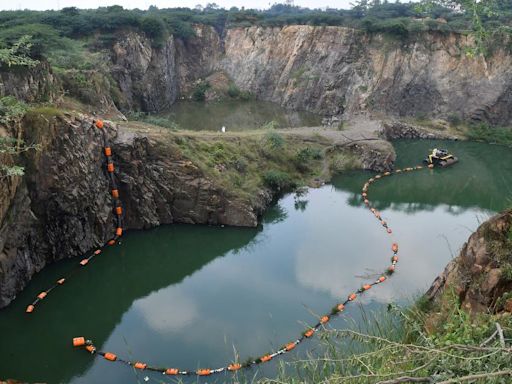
<point x="397" y="346"/>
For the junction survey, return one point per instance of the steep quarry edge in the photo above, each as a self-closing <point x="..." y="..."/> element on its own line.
<point x="61" y="208"/>
<point x="481" y="276"/>
<point x="333" y="71"/>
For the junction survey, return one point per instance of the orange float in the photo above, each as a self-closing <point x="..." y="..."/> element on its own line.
<point x="78" y="341"/>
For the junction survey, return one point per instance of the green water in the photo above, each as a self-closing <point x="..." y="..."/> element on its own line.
<point x="188" y="296"/>
<point x="236" y="115"/>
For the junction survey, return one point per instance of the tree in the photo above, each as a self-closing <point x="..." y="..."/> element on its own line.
<point x="18" y="54"/>
<point x="154" y="28"/>
<point x="70" y="11"/>
<point x="11" y="113"/>
<point x="475" y="10"/>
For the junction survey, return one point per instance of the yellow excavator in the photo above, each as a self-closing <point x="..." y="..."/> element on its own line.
<point x="440" y="158"/>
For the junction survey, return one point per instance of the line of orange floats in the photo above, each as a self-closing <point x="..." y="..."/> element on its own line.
<point x="117" y="209"/>
<point x="88" y="345"/>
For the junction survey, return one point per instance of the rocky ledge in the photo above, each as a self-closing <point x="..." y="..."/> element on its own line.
<point x="481" y="275"/>
<point x="396" y="130"/>
<point x="61" y="207"/>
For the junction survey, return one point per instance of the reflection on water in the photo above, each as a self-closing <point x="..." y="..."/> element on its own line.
<point x="481" y="179"/>
<point x="194" y="296"/>
<point x="236" y="115"/>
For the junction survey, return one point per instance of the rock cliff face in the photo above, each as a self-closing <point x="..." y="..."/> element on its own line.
<point x="329" y="70"/>
<point x="397" y="130"/>
<point x="36" y="84"/>
<point x="481" y="275"/>
<point x="147" y="77"/>
<point x="61" y="207"/>
<point x="150" y="79"/>
<point x="335" y="70"/>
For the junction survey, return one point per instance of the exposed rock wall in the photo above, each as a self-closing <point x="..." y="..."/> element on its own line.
<point x="151" y="78"/>
<point x="147" y="77"/>
<point x="61" y="207"/>
<point x="336" y="70"/>
<point x="329" y="70"/>
<point x="375" y="155"/>
<point x="480" y="275"/>
<point x="30" y="85"/>
<point x="197" y="57"/>
<point x="160" y="186"/>
<point x="397" y="130"/>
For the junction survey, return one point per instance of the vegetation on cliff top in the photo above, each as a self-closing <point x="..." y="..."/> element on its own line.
<point x="12" y="112"/>
<point x="244" y="162"/>
<point x="55" y="32"/>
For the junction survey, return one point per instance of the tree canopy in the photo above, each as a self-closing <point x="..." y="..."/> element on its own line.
<point x="52" y="30"/>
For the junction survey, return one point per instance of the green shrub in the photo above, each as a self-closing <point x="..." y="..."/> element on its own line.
<point x="240" y="164"/>
<point x="454" y="119"/>
<point x="506" y="271"/>
<point x="394" y="27"/>
<point x="18" y="54"/>
<point x="218" y="152"/>
<point x="304" y="156"/>
<point x="416" y="27"/>
<point x="73" y="54"/>
<point x="162" y="122"/>
<point x="42" y="37"/>
<point x="487" y="133"/>
<point x="246" y="95"/>
<point x="11" y="110"/>
<point x="273" y="124"/>
<point x="180" y="28"/>
<point x="155" y="29"/>
<point x="274" y="140"/>
<point x="198" y="94"/>
<point x="233" y="91"/>
<point x="270" y="125"/>
<point x="278" y="181"/>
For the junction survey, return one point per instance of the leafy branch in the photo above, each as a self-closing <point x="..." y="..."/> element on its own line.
<point x="475" y="10"/>
<point x="18" y="54"/>
<point x="11" y="114"/>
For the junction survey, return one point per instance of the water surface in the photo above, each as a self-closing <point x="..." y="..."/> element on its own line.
<point x="194" y="296"/>
<point x="236" y="115"/>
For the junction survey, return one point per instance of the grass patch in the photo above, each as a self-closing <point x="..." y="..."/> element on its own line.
<point x="484" y="132"/>
<point x="278" y="181"/>
<point x="45" y="112"/>
<point x="245" y="162"/>
<point x="274" y="140"/>
<point x="343" y="161"/>
<point x="394" y="342"/>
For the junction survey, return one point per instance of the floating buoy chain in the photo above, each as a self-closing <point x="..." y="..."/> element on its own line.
<point x="118" y="211"/>
<point x="308" y="333"/>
